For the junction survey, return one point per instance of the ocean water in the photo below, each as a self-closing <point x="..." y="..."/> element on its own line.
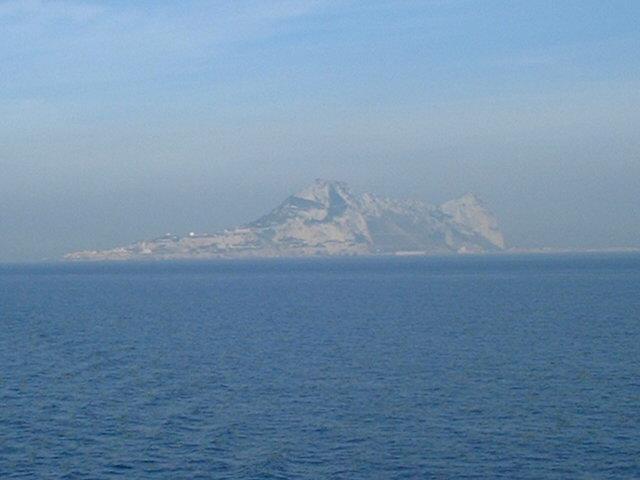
<point x="473" y="367"/>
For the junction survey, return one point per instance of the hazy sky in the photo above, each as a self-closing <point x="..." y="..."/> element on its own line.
<point x="123" y="120"/>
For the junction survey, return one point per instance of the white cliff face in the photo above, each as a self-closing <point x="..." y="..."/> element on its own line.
<point x="326" y="218"/>
<point x="468" y="210"/>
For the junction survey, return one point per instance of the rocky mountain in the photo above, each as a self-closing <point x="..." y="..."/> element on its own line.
<point x="327" y="218"/>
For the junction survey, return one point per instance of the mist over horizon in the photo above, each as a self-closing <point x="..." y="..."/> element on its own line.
<point x="121" y="122"/>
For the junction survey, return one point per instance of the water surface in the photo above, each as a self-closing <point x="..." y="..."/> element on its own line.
<point x="473" y="367"/>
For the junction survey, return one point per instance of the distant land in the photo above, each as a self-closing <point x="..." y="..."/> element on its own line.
<point x="328" y="219"/>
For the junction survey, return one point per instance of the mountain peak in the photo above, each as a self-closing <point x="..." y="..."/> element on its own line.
<point x="325" y="192"/>
<point x="469" y="198"/>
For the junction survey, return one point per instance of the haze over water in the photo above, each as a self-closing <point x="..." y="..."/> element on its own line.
<point x="122" y="121"/>
<point x="473" y="367"/>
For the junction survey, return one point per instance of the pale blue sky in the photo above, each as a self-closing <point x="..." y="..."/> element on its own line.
<point x="122" y="120"/>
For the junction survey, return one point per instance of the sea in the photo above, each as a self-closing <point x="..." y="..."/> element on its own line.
<point x="471" y="367"/>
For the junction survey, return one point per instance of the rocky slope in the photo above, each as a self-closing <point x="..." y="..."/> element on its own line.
<point x="328" y="219"/>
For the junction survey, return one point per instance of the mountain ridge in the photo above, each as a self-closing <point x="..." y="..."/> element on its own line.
<point x="327" y="218"/>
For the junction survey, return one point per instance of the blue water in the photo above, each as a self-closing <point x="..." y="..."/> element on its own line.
<point x="473" y="367"/>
